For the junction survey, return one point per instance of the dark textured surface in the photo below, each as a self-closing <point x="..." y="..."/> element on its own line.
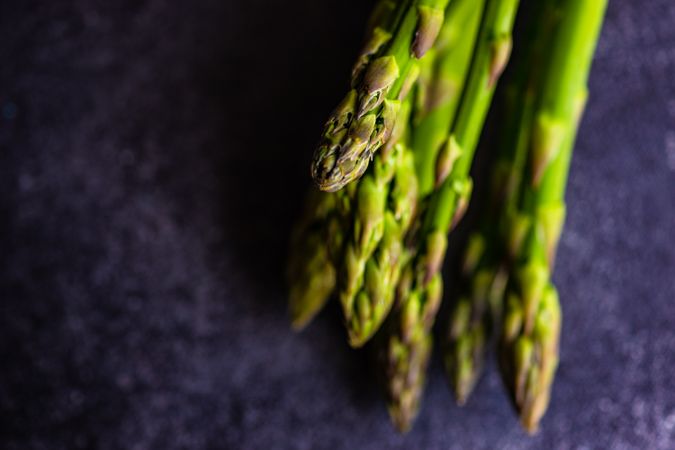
<point x="152" y="158"/>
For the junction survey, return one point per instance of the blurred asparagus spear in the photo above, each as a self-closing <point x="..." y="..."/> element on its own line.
<point x="531" y="324"/>
<point x="409" y="342"/>
<point x="315" y="251"/>
<point x="484" y="269"/>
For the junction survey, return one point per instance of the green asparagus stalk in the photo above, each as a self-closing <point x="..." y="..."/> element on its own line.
<point x="473" y="315"/>
<point x="311" y="272"/>
<point x="440" y="86"/>
<point x="382" y="76"/>
<point x="371" y="281"/>
<point x="531" y="326"/>
<point x="367" y="270"/>
<point x="410" y="340"/>
<point x="484" y="275"/>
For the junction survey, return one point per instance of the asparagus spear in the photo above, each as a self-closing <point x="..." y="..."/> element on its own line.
<point x="374" y="241"/>
<point x="371" y="281"/>
<point x="311" y="273"/>
<point x="363" y="121"/>
<point x="440" y="86"/>
<point x="316" y="250"/>
<point x="531" y="327"/>
<point x="410" y="340"/>
<point x="476" y="313"/>
<point x="405" y="365"/>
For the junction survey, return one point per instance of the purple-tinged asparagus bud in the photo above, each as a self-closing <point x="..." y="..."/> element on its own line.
<point x="449" y="153"/>
<point x="547" y="138"/>
<point x="342" y="156"/>
<point x="327" y="163"/>
<point x="463" y="188"/>
<point x="337" y="165"/>
<point x="436" y="244"/>
<point x="361" y="130"/>
<point x="501" y="51"/>
<point x="378" y="78"/>
<point x="428" y="25"/>
<point x="397" y="129"/>
<point x="385" y="126"/>
<point x="341" y="117"/>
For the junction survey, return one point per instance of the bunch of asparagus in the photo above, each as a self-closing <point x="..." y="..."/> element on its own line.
<point x="393" y="172"/>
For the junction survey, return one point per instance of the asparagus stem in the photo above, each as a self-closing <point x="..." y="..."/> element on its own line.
<point x="531" y="325"/>
<point x="494" y="45"/>
<point x="437" y="100"/>
<point x="410" y="340"/>
<point x="477" y="311"/>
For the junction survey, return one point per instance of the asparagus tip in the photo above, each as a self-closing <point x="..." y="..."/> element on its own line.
<point x="428" y="27"/>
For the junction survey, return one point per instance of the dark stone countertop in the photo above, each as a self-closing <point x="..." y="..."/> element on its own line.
<point x="153" y="156"/>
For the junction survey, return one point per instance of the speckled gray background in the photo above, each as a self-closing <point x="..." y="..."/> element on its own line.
<point x="153" y="155"/>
